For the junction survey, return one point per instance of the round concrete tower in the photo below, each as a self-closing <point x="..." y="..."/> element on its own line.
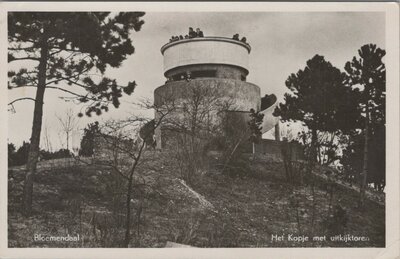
<point x="207" y="62"/>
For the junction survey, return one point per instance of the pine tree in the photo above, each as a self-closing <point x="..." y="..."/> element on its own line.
<point x="255" y="122"/>
<point x="11" y="154"/>
<point x="61" y="51"/>
<point x="368" y="72"/>
<point x="87" y="142"/>
<point x="320" y="100"/>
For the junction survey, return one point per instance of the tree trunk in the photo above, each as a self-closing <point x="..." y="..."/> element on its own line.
<point x="128" y="212"/>
<point x="277" y="132"/>
<point x="315" y="148"/>
<point x="365" y="159"/>
<point x="36" y="129"/>
<point x="68" y="141"/>
<point x="138" y="215"/>
<point x="313" y="151"/>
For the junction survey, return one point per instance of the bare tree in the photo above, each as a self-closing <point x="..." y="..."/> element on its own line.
<point x="47" y="140"/>
<point x="127" y="157"/>
<point x="200" y="109"/>
<point x="69" y="123"/>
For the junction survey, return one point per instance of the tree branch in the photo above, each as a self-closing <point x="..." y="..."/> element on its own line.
<point x="69" y="79"/>
<point x="67" y="91"/>
<point x="19" y="86"/>
<point x="20" y="99"/>
<point x="55" y="52"/>
<point x="17" y="39"/>
<point x="27" y="48"/>
<point x="24" y="58"/>
<point x="66" y="49"/>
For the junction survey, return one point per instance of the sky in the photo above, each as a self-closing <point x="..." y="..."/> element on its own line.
<point x="281" y="44"/>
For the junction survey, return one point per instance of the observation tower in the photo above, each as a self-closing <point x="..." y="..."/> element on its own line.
<point x="216" y="62"/>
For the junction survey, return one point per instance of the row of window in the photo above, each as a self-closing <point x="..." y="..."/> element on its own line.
<point x="197" y="74"/>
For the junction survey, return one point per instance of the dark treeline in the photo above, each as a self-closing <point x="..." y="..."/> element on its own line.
<point x="20" y="156"/>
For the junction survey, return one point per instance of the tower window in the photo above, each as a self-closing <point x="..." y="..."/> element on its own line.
<point x="178" y="77"/>
<point x="194" y="75"/>
<point x="204" y="73"/>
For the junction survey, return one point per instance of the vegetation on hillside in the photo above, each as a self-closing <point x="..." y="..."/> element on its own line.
<point x="245" y="211"/>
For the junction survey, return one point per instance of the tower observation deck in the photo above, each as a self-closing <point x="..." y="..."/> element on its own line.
<point x="207" y="56"/>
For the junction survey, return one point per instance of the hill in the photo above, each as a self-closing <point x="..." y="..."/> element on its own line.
<point x="259" y="209"/>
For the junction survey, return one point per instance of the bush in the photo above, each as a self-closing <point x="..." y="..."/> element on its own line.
<point x="87" y="142"/>
<point x="336" y="221"/>
<point x="20" y="157"/>
<point x="62" y="153"/>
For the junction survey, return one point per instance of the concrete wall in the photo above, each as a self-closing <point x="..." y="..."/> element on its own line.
<point x="245" y="95"/>
<point x="241" y="95"/>
<point x="207" y="50"/>
<point x="272" y="150"/>
<point x="232" y="72"/>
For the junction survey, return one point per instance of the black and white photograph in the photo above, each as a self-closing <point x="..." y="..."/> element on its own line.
<point x="226" y="128"/>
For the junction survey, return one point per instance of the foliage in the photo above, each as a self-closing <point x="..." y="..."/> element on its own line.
<point x="319" y="98"/>
<point x="69" y="52"/>
<point x="20" y="157"/>
<point x="293" y="167"/>
<point x="87" y="142"/>
<point x="377" y="159"/>
<point x="368" y="72"/>
<point x="327" y="144"/>
<point x="62" y="153"/>
<point x="147" y="133"/>
<point x="345" y="113"/>
<point x="254" y="123"/>
<point x="322" y="102"/>
<point x="11" y="152"/>
<point x="77" y="44"/>
<point x="366" y="150"/>
<point x="352" y="159"/>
